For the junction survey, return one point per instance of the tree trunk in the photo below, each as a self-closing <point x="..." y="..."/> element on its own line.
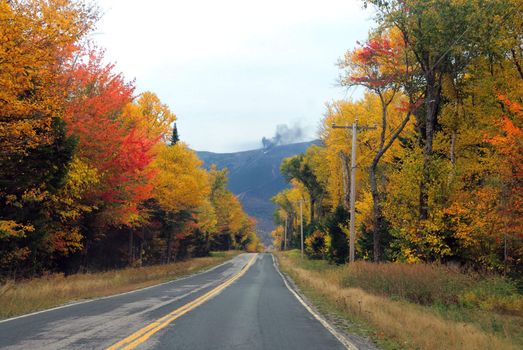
<point x="290" y="232"/>
<point x="432" y="101"/>
<point x="142" y="246"/>
<point x="131" y="252"/>
<point x="376" y="212"/>
<point x="516" y="63"/>
<point x="313" y="204"/>
<point x="169" y="247"/>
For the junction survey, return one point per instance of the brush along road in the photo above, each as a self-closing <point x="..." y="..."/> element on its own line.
<point x="241" y="304"/>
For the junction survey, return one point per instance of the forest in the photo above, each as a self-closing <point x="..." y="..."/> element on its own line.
<point x="439" y="144"/>
<point x="93" y="175"/>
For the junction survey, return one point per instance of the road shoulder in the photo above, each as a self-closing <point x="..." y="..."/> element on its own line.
<point x="334" y="325"/>
<point x="55" y="301"/>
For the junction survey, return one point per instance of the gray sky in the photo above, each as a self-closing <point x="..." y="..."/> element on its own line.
<point x="232" y="70"/>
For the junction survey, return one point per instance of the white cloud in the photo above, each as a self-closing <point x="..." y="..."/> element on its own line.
<point x="233" y="67"/>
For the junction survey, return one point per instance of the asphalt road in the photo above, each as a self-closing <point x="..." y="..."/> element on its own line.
<point x="242" y="304"/>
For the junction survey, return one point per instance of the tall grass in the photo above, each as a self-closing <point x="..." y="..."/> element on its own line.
<point x="429" y="284"/>
<point x="416" y="306"/>
<point x="21" y="297"/>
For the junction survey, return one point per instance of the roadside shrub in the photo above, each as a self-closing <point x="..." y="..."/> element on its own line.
<point x="336" y="224"/>
<point x="494" y="294"/>
<point x="431" y="284"/>
<point x="317" y="245"/>
<point x="419" y="283"/>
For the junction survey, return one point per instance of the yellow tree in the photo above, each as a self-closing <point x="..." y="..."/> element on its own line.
<point x="383" y="66"/>
<point x="149" y="113"/>
<point x="207" y="222"/>
<point x="180" y="181"/>
<point x="288" y="202"/>
<point x="39" y="39"/>
<point x="180" y="184"/>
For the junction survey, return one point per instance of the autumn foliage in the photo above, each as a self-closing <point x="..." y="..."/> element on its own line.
<point x="440" y="177"/>
<point x="90" y="176"/>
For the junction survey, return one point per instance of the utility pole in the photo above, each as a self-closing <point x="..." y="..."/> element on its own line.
<point x="301" y="223"/>
<point x="301" y="226"/>
<point x="354" y="127"/>
<point x="285" y="237"/>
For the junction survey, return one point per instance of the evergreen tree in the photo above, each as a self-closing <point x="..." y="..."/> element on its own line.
<point x="27" y="182"/>
<point x="175" y="138"/>
<point x="339" y="248"/>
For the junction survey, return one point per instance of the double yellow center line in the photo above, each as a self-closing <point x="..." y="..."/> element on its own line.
<point x="146" y="332"/>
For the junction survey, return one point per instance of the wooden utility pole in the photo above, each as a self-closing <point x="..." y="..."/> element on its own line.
<point x="354" y="127"/>
<point x="285" y="237"/>
<point x="301" y="223"/>
<point x="301" y="226"/>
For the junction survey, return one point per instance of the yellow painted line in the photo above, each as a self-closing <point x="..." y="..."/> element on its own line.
<point x="146" y="332"/>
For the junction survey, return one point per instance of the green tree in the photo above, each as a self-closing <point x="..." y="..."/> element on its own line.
<point x="174" y="137"/>
<point x="337" y="228"/>
<point x="302" y="169"/>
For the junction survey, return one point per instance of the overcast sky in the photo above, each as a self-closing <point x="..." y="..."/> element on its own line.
<point x="232" y="70"/>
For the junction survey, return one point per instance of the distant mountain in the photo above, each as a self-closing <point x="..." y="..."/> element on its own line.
<point x="254" y="176"/>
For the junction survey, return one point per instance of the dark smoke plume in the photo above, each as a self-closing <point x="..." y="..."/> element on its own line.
<point x="285" y="135"/>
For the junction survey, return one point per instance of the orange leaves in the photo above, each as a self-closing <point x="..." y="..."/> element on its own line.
<point x="36" y="39"/>
<point x="509" y="142"/>
<point x="81" y="156"/>
<point x="120" y="152"/>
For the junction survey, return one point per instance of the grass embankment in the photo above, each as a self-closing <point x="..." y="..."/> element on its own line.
<point x="414" y="306"/>
<point x="20" y="297"/>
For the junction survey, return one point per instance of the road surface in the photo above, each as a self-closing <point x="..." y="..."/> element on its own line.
<point x="241" y="304"/>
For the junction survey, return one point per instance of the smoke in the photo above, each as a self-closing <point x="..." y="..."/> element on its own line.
<point x="285" y="135"/>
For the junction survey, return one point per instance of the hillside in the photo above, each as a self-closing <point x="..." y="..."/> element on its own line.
<point x="254" y="176"/>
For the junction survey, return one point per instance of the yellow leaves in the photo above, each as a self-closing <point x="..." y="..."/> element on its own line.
<point x="317" y="245"/>
<point x="148" y="113"/>
<point x="338" y="141"/>
<point x="234" y="228"/>
<point x="69" y="203"/>
<point x="37" y="38"/>
<point x="364" y="208"/>
<point x="206" y="215"/>
<point x="12" y="229"/>
<point x="253" y="246"/>
<point x="278" y="236"/>
<point x="289" y="201"/>
<point x="229" y="213"/>
<point x="67" y="241"/>
<point x="180" y="182"/>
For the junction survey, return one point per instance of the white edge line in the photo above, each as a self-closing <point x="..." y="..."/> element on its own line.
<point x="348" y="344"/>
<point x="119" y="294"/>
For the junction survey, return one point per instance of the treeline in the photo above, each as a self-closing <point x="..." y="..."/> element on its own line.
<point x="440" y="177"/>
<point x="93" y="176"/>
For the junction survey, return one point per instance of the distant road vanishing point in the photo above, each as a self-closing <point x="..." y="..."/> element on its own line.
<point x="242" y="304"/>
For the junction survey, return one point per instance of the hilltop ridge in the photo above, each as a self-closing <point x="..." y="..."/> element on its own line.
<point x="254" y="176"/>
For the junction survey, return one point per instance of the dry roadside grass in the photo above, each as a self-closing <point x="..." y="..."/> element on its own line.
<point x="17" y="298"/>
<point x="400" y="321"/>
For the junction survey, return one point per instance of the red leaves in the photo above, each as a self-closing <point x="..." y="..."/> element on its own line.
<point x="121" y="153"/>
<point x="374" y="48"/>
<point x="406" y="106"/>
<point x="375" y="64"/>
